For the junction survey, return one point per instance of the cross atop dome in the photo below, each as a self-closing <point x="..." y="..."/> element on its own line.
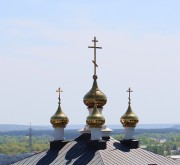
<point x="94" y="61"/>
<point x="129" y="119"/>
<point x="59" y="92"/>
<point x="129" y="91"/>
<point x="59" y="120"/>
<point x="95" y="94"/>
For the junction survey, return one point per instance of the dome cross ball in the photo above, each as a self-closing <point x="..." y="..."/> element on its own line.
<point x="59" y="119"/>
<point x="129" y="119"/>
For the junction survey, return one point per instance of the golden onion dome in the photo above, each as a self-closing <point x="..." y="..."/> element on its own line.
<point x="129" y="119"/>
<point x="95" y="120"/>
<point x="95" y="94"/>
<point x="59" y="119"/>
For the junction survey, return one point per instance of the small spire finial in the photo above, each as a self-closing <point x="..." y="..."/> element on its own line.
<point x="94" y="61"/>
<point x="129" y="91"/>
<point x="30" y="138"/>
<point x="59" y="98"/>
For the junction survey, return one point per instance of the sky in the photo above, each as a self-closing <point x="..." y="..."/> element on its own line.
<point x="44" y="45"/>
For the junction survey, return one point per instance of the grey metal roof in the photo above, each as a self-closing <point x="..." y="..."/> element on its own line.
<point x="76" y="152"/>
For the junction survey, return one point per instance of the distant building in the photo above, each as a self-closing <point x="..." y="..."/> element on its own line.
<point x="95" y="146"/>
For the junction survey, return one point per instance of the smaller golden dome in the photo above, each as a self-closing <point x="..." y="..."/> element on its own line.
<point x="95" y="94"/>
<point x="95" y="120"/>
<point x="129" y="119"/>
<point x="59" y="119"/>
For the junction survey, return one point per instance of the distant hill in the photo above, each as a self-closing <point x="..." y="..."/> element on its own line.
<point x="176" y="126"/>
<point x="15" y="127"/>
<point x="145" y="126"/>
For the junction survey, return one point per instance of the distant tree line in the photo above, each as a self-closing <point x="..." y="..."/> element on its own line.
<point x="166" y="143"/>
<point x="161" y="141"/>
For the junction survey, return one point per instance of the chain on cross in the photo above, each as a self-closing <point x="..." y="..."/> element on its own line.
<point x="95" y="47"/>
<point x="129" y="91"/>
<point x="59" y="92"/>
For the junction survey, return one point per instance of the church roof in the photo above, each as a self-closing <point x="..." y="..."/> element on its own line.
<point x="77" y="152"/>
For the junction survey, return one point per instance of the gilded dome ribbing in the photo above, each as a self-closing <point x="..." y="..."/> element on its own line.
<point x="129" y="119"/>
<point x="59" y="119"/>
<point x="95" y="94"/>
<point x="95" y="120"/>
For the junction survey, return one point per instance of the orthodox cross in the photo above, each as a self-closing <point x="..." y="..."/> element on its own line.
<point x="95" y="47"/>
<point x="129" y="91"/>
<point x="59" y="91"/>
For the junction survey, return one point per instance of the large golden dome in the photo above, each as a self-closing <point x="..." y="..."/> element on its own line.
<point x="95" y="94"/>
<point x="129" y="119"/>
<point x="95" y="120"/>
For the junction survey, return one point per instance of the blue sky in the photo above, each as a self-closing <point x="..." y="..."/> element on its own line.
<point x="43" y="45"/>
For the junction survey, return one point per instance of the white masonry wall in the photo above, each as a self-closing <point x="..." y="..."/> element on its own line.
<point x="58" y="133"/>
<point x="129" y="133"/>
<point x="96" y="134"/>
